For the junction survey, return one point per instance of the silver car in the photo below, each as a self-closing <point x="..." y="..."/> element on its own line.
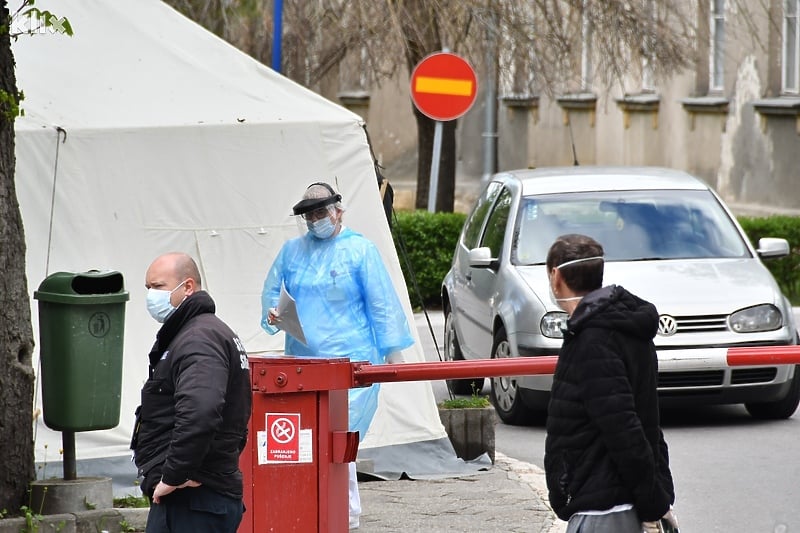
<point x="667" y="238"/>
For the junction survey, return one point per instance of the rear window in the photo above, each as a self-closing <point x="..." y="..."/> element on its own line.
<point x="630" y="225"/>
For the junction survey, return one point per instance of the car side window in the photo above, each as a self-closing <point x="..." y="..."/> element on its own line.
<point x="474" y="223"/>
<point x="496" y="225"/>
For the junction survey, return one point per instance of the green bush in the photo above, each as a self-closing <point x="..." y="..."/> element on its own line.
<point x="785" y="270"/>
<point x="425" y="243"/>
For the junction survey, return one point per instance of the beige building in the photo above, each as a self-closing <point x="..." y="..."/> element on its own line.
<point x="733" y="119"/>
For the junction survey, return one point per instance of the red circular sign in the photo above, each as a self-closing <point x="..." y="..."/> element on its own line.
<point x="443" y="86"/>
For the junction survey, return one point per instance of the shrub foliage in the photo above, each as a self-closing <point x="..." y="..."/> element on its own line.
<point x="786" y="269"/>
<point x="426" y="241"/>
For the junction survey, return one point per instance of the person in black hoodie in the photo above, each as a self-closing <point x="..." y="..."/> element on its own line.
<point x="606" y="461"/>
<point x="192" y="422"/>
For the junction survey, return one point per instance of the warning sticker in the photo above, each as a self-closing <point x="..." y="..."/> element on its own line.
<point x="283" y="441"/>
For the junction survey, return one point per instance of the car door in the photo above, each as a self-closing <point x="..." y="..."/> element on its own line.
<point x="480" y="283"/>
<point x="471" y="235"/>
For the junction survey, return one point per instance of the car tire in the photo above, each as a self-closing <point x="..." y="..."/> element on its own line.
<point x="452" y="352"/>
<point x="781" y="409"/>
<point x="505" y="395"/>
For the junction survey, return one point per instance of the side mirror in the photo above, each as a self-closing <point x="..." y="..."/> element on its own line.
<point x="772" y="247"/>
<point x="480" y="258"/>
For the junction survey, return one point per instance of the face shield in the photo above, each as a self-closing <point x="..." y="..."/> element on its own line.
<point x="316" y="212"/>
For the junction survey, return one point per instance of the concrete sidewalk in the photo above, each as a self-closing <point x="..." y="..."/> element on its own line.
<point x="511" y="496"/>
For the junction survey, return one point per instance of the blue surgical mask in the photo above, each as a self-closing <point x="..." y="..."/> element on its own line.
<point x="158" y="303"/>
<point x="322" y="228"/>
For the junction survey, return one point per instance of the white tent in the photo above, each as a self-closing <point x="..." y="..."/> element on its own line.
<point x="143" y="133"/>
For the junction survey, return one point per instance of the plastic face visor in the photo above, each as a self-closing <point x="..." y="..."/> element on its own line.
<point x="317" y="214"/>
<point x="304" y="207"/>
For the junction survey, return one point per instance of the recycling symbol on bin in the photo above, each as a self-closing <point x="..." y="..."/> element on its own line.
<point x="99" y="324"/>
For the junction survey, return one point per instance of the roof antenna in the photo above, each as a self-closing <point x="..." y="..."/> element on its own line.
<point x="572" y="141"/>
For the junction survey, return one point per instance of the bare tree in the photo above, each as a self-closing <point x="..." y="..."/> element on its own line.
<point x="16" y="337"/>
<point x="392" y="36"/>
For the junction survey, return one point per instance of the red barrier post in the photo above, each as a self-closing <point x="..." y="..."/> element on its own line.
<point x="764" y="355"/>
<point x="295" y="461"/>
<point x="366" y="374"/>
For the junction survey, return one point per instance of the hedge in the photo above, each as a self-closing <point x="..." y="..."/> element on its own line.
<point x="785" y="269"/>
<point x="426" y="241"/>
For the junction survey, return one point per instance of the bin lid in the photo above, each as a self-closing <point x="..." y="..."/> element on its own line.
<point x="91" y="287"/>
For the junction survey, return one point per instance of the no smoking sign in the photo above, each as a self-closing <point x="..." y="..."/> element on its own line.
<point x="283" y="437"/>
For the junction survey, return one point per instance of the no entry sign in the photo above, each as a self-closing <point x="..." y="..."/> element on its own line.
<point x="443" y="86"/>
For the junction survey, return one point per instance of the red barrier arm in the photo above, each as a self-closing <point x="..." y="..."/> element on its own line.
<point x="367" y="374"/>
<point x="764" y="355"/>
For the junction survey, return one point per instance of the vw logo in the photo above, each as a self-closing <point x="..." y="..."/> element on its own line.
<point x="667" y="326"/>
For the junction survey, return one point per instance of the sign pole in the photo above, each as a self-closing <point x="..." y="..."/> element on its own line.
<point x="433" y="186"/>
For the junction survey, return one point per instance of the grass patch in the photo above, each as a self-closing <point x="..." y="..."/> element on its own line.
<point x="131" y="501"/>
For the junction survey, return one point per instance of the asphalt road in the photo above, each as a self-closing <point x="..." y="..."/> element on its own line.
<point x="732" y="473"/>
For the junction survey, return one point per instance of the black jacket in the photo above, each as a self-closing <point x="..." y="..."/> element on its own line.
<point x="192" y="422"/>
<point x="604" y="444"/>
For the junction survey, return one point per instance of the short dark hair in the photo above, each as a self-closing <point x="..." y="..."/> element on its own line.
<point x="580" y="277"/>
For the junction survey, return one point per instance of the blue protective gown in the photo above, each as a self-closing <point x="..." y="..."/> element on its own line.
<point x="347" y="306"/>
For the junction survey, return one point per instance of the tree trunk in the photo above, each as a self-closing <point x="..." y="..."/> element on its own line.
<point x="445" y="192"/>
<point x="16" y="337"/>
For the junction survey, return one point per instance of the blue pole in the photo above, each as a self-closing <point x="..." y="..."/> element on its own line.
<point x="277" y="35"/>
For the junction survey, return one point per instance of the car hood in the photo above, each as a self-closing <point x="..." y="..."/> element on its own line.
<point x="682" y="287"/>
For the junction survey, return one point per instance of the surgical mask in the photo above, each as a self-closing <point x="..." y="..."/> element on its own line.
<point x="322" y="228"/>
<point x="158" y="303"/>
<point x="557" y="301"/>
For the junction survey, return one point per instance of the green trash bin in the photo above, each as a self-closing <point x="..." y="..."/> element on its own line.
<point x="81" y="324"/>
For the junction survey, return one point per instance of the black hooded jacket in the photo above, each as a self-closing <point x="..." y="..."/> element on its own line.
<point x="192" y="422"/>
<point x="604" y="444"/>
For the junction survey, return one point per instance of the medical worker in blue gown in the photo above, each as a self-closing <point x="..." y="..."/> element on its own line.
<point x="345" y="300"/>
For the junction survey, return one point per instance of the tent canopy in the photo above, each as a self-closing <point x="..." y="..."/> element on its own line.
<point x="144" y="133"/>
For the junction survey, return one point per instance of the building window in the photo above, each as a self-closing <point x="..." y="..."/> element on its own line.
<point x="648" y="81"/>
<point x="586" y="49"/>
<point x="717" y="46"/>
<point x="791" y="47"/>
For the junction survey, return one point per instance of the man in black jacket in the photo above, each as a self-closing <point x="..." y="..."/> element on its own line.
<point x="192" y="422"/>
<point x="606" y="460"/>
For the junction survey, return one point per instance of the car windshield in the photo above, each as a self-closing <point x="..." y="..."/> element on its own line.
<point x="630" y="225"/>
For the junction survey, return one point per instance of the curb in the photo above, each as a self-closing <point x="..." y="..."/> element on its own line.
<point x="114" y="520"/>
<point x="533" y="476"/>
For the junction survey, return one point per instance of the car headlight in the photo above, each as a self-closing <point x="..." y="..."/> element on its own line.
<point x="553" y="324"/>
<point x="764" y="317"/>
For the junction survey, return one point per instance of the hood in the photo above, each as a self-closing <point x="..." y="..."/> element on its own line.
<point x="615" y="308"/>
<point x="682" y="287"/>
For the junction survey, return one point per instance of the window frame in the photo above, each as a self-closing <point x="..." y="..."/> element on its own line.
<point x="790" y="86"/>
<point x="587" y="66"/>
<point x="716" y="46"/>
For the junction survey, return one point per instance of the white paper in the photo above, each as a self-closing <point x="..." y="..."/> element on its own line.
<point x="288" y="320"/>
<point x="306" y="454"/>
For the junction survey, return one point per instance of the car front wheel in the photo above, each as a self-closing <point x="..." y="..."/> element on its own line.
<point x="505" y="395"/>
<point x="452" y="352"/>
<point x="780" y="409"/>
